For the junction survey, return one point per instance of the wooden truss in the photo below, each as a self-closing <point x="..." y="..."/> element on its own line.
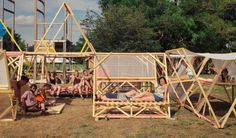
<point x="44" y="59"/>
<point x="47" y="44"/>
<point x="8" y="107"/>
<point x="44" y="48"/>
<point x="185" y="91"/>
<point x="128" y="109"/>
<point x="15" y="59"/>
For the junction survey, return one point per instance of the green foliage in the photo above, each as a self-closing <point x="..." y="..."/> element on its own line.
<point x="214" y="31"/>
<point x="159" y="25"/>
<point x="78" y="45"/>
<point x="175" y="30"/>
<point x="122" y="29"/>
<point x="89" y="24"/>
<point x="9" y="45"/>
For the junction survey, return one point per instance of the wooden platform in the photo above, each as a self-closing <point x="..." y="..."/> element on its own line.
<point x="131" y="109"/>
<point x="56" y="109"/>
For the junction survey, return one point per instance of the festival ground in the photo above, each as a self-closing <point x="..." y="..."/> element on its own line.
<point x="76" y="121"/>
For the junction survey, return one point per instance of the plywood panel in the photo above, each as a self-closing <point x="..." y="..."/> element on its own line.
<point x="4" y="80"/>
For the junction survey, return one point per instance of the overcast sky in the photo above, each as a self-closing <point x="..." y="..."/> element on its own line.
<point x="25" y="14"/>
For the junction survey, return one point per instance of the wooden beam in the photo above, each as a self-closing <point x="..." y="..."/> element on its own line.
<point x="49" y="27"/>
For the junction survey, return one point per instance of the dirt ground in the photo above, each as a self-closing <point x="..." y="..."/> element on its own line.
<point x="76" y="121"/>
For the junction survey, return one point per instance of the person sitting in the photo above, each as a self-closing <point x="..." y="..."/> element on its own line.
<point x="46" y="89"/>
<point x="225" y="77"/>
<point x="86" y="85"/>
<point x="59" y="79"/>
<point x="186" y="72"/>
<point x="160" y="93"/>
<point x="76" y="81"/>
<point x="18" y="86"/>
<point x="29" y="102"/>
<point x="53" y="81"/>
<point x="40" y="96"/>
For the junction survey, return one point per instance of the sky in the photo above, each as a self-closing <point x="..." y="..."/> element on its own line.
<point x="25" y="15"/>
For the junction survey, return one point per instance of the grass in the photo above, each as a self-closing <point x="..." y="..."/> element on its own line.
<point x="76" y="121"/>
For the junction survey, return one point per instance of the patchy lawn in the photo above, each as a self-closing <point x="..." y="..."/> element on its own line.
<point x="76" y="121"/>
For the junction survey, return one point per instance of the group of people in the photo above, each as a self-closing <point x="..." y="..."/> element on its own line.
<point x="82" y="83"/>
<point x="36" y="99"/>
<point x="76" y="83"/>
<point x="29" y="96"/>
<point x="159" y="94"/>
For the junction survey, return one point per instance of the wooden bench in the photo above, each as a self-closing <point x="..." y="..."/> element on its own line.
<point x="131" y="109"/>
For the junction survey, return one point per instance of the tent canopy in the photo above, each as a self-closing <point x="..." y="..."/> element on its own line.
<point x="217" y="56"/>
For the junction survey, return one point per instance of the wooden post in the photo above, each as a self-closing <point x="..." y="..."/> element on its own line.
<point x="35" y="37"/>
<point x="205" y="96"/>
<point x="94" y="86"/>
<point x="166" y="76"/>
<point x="79" y="27"/>
<point x="233" y="91"/>
<point x="64" y="44"/>
<point x="228" y="114"/>
<point x="201" y="103"/>
<point x="13" y="23"/>
<point x="49" y="27"/>
<point x="43" y="67"/>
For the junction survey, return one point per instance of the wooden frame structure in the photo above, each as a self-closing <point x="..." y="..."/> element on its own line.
<point x="167" y="64"/>
<point x="128" y="109"/>
<point x="15" y="59"/>
<point x="69" y="13"/>
<point x="203" y="107"/>
<point x="8" y="108"/>
<point x="45" y="46"/>
<point x="44" y="59"/>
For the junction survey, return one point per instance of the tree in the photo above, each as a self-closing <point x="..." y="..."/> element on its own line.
<point x="122" y="29"/>
<point x="200" y="26"/>
<point x="88" y="24"/>
<point x="214" y="31"/>
<point x="7" y="43"/>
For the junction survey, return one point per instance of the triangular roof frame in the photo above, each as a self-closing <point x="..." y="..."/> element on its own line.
<point x="87" y="45"/>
